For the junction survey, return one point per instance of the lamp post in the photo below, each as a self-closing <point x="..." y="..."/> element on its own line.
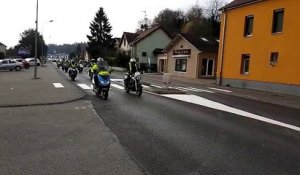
<point x="42" y="54"/>
<point x="36" y="39"/>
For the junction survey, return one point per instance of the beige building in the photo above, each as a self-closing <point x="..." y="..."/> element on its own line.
<point x="190" y="56"/>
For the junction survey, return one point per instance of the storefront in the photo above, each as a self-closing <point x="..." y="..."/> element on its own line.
<point x="192" y="57"/>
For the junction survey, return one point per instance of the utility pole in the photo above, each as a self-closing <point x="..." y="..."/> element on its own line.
<point x="36" y="39"/>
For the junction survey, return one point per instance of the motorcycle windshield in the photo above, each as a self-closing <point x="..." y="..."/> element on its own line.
<point x="103" y="66"/>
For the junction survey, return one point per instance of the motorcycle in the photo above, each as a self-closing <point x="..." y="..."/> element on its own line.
<point x="72" y="73"/>
<point x="103" y="85"/>
<point x="66" y="68"/>
<point x="133" y="83"/>
<point x="80" y="68"/>
<point x="58" y="64"/>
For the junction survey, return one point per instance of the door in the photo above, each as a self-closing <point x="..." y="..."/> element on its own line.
<point x="162" y="65"/>
<point x="207" y="67"/>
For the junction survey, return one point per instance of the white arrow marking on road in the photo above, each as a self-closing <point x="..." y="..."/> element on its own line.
<point x="223" y="90"/>
<point x="84" y="86"/>
<point x="215" y="105"/>
<point x="117" y="86"/>
<point x="58" y="85"/>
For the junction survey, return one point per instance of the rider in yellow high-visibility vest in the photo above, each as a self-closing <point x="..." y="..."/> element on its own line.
<point x="101" y="68"/>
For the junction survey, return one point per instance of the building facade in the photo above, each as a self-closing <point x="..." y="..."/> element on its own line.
<point x="259" y="45"/>
<point x="148" y="45"/>
<point x="3" y="49"/>
<point x="190" y="56"/>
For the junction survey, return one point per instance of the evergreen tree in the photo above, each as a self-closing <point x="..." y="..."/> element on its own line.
<point x="100" y="42"/>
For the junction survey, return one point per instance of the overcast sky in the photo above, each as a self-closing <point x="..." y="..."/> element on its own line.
<point x="72" y="17"/>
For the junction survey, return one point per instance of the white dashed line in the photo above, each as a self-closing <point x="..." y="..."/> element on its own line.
<point x="58" y="85"/>
<point x="222" y="90"/>
<point x="117" y="86"/>
<point x="215" y="105"/>
<point x="84" y="86"/>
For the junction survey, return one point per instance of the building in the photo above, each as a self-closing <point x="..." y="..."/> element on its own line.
<point x="3" y="49"/>
<point x="148" y="45"/>
<point x="125" y="41"/>
<point x="190" y="56"/>
<point x="259" y="45"/>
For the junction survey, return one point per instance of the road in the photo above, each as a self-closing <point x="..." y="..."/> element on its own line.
<point x="169" y="136"/>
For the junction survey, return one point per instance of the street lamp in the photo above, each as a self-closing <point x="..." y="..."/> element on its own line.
<point x="42" y="55"/>
<point x="36" y="39"/>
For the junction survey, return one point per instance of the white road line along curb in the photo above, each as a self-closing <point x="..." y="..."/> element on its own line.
<point x="222" y="90"/>
<point x="58" y="85"/>
<point x="215" y="105"/>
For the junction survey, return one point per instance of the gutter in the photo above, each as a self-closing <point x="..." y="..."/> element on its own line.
<point x="222" y="49"/>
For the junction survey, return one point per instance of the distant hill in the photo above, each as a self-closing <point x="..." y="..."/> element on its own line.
<point x="65" y="48"/>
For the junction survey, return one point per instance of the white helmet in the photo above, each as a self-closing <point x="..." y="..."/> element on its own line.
<point x="100" y="59"/>
<point x="132" y="60"/>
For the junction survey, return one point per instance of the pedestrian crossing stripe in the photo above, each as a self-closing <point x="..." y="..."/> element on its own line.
<point x="84" y="86"/>
<point x="58" y="85"/>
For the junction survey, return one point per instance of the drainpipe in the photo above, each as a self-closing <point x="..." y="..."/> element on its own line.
<point x="222" y="49"/>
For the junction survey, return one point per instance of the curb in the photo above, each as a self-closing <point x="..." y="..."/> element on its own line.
<point x="44" y="104"/>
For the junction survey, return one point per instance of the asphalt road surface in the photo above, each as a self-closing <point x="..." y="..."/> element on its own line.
<point x="168" y="136"/>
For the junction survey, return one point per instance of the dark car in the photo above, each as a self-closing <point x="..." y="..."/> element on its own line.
<point x="25" y="63"/>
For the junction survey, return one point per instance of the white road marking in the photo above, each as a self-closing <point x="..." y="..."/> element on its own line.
<point x="146" y="86"/>
<point x="222" y="90"/>
<point x="116" y="80"/>
<point x="58" y="85"/>
<point x="192" y="89"/>
<point x="84" y="86"/>
<point x="199" y="90"/>
<point x="215" y="105"/>
<point x="117" y="86"/>
<point x="153" y="85"/>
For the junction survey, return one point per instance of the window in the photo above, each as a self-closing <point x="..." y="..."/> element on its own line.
<point x="245" y="64"/>
<point x="278" y="21"/>
<point x="181" y="65"/>
<point x="248" y="25"/>
<point x="274" y="58"/>
<point x="144" y="54"/>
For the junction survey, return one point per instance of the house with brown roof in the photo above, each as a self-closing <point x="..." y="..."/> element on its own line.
<point x="147" y="45"/>
<point x="125" y="41"/>
<point x="190" y="56"/>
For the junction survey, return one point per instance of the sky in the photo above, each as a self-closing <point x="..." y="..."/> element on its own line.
<point x="71" y="18"/>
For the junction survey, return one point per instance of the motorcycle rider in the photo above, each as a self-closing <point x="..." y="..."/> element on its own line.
<point x="132" y="69"/>
<point x="100" y="67"/>
<point x="73" y="64"/>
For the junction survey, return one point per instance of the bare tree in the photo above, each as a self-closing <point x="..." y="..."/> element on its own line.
<point x="212" y="9"/>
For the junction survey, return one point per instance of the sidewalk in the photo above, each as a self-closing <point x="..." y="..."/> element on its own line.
<point x="264" y="96"/>
<point x="39" y="91"/>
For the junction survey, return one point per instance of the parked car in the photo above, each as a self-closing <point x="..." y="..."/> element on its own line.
<point x="24" y="62"/>
<point x="9" y="64"/>
<point x="31" y="61"/>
